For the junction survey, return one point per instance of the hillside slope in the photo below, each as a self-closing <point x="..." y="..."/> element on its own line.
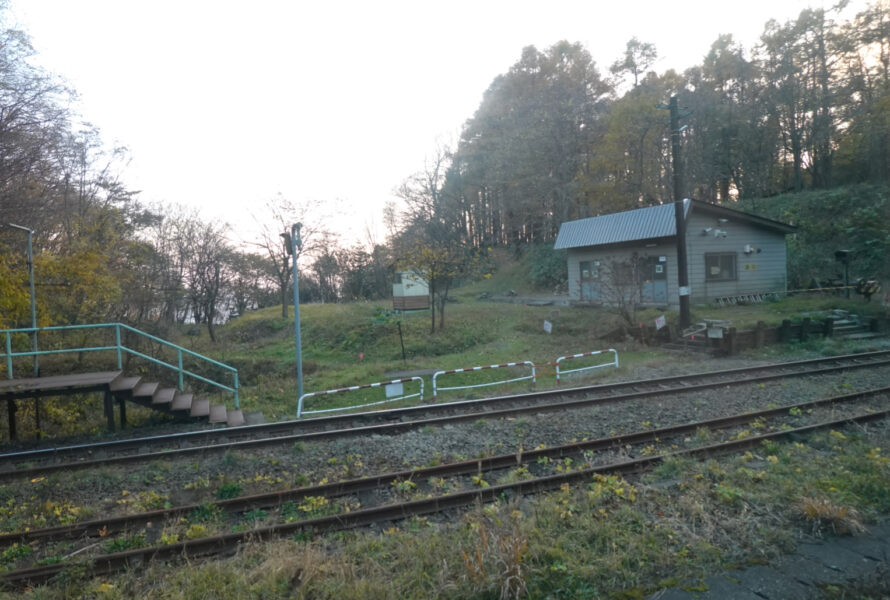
<point x="854" y="217"/>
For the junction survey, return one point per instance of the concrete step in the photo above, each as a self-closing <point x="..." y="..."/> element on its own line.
<point x="163" y="396"/>
<point x="124" y="385"/>
<point x="235" y="418"/>
<point x="701" y="343"/>
<point x="865" y="335"/>
<point x="182" y="402"/>
<point x="218" y="414"/>
<point x="254" y="417"/>
<point x="691" y="347"/>
<point x="845" y="322"/>
<point x="146" y="390"/>
<point x="200" y="407"/>
<point x="845" y="333"/>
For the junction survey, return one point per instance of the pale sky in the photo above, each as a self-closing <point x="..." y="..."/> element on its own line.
<point x="224" y="104"/>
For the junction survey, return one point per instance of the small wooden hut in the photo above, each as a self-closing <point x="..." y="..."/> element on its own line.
<point x="410" y="291"/>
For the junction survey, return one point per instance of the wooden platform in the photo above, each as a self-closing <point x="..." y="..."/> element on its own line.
<point x="116" y="386"/>
<point x="14" y="389"/>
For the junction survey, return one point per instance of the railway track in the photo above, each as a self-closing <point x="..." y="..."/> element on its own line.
<point x="36" y="462"/>
<point x="537" y="464"/>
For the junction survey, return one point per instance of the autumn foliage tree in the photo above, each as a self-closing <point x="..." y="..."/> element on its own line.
<point x="432" y="242"/>
<point x="441" y="264"/>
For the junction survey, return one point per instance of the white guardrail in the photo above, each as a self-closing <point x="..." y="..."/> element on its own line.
<point x="478" y="385"/>
<point x="394" y="382"/>
<point x="436" y="388"/>
<point x="583" y="354"/>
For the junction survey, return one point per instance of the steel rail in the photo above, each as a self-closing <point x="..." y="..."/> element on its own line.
<point x="400" y="414"/>
<point x="226" y="543"/>
<point x="401" y="427"/>
<point x="110" y="526"/>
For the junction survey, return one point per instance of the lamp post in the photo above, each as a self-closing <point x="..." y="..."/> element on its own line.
<point x="11" y="405"/>
<point x="294" y="243"/>
<point x="33" y="298"/>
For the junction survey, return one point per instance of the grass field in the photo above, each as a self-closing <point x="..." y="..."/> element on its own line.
<point x="359" y="343"/>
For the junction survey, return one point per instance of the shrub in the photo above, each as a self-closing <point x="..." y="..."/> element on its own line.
<point x="547" y="267"/>
<point x="229" y="490"/>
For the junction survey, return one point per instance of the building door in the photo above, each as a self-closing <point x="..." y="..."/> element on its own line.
<point x="590" y="279"/>
<point x="655" y="289"/>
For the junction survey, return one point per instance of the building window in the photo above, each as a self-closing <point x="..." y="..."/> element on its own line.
<point x="397" y="279"/>
<point x="720" y="267"/>
<point x="590" y="269"/>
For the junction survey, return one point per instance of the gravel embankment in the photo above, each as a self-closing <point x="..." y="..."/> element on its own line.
<point x="196" y="479"/>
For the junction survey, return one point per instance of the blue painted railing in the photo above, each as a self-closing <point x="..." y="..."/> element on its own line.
<point x="120" y="348"/>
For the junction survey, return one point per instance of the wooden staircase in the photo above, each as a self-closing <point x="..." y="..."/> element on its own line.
<point x="118" y="386"/>
<point x="151" y="394"/>
<point x="115" y="385"/>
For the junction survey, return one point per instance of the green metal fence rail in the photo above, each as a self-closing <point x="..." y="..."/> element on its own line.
<point x="120" y="348"/>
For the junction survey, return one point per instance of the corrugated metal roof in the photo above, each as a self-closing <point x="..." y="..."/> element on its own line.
<point x="628" y="226"/>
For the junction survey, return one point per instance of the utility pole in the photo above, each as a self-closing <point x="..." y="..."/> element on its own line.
<point x="679" y="212"/>
<point x="294" y="243"/>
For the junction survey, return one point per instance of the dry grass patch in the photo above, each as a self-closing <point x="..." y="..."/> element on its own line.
<point x="825" y="515"/>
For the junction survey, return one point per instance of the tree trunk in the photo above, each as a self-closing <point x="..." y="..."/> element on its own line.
<point x="432" y="306"/>
<point x="443" y="298"/>
<point x="284" y="301"/>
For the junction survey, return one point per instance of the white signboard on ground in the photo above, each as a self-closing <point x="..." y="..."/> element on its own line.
<point x="394" y="389"/>
<point x="660" y="322"/>
<point x="548" y="326"/>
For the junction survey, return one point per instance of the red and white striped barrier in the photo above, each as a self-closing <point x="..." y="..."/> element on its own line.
<point x="583" y="354"/>
<point x="527" y="363"/>
<point x="301" y="412"/>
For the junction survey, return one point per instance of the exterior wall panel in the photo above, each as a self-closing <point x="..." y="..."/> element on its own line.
<point x="762" y="271"/>
<point x="606" y="255"/>
<point x="709" y="230"/>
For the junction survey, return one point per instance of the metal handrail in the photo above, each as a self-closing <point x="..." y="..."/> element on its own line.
<point x="120" y="348"/>
<point x="582" y="355"/>
<point x="384" y="384"/>
<point x="526" y="363"/>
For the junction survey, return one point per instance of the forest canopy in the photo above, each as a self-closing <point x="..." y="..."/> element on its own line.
<point x="556" y="136"/>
